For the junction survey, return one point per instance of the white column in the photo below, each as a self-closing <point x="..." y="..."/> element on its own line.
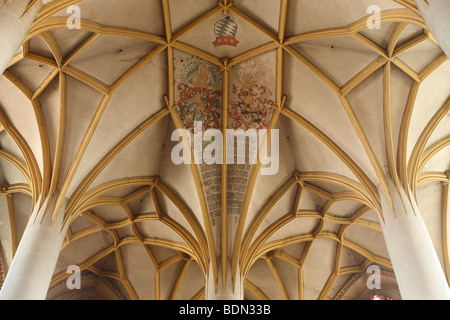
<point x="224" y="291"/>
<point x="446" y="225"/>
<point x="13" y="29"/>
<point x="437" y="17"/>
<point x="33" y="265"/>
<point x="416" y="265"/>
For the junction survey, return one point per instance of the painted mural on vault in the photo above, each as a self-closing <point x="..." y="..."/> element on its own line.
<point x="251" y="102"/>
<point x="199" y="92"/>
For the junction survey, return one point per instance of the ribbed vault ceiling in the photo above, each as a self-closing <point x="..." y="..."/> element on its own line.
<point x="88" y="113"/>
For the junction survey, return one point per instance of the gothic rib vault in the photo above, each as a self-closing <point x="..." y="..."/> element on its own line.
<point x="88" y="114"/>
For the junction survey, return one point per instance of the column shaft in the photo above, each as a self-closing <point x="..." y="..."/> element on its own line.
<point x="416" y="265"/>
<point x="437" y="17"/>
<point x="446" y="225"/>
<point x="33" y="266"/>
<point x="13" y="29"/>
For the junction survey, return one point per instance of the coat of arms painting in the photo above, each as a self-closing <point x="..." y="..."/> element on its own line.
<point x="199" y="87"/>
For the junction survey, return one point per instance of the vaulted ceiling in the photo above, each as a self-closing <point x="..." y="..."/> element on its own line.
<point x="89" y="113"/>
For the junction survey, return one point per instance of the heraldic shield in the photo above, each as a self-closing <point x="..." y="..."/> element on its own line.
<point x="225" y="31"/>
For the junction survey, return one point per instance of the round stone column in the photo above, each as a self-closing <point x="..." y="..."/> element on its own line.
<point x="14" y="28"/>
<point x="33" y="265"/>
<point x="436" y="14"/>
<point x="416" y="265"/>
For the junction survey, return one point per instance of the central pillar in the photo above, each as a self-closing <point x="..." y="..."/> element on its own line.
<point x="14" y="28"/>
<point x="416" y="265"/>
<point x="36" y="257"/>
<point x="224" y="291"/>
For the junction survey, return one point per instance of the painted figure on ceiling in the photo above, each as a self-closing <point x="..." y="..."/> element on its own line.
<point x="200" y="94"/>
<point x="251" y="101"/>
